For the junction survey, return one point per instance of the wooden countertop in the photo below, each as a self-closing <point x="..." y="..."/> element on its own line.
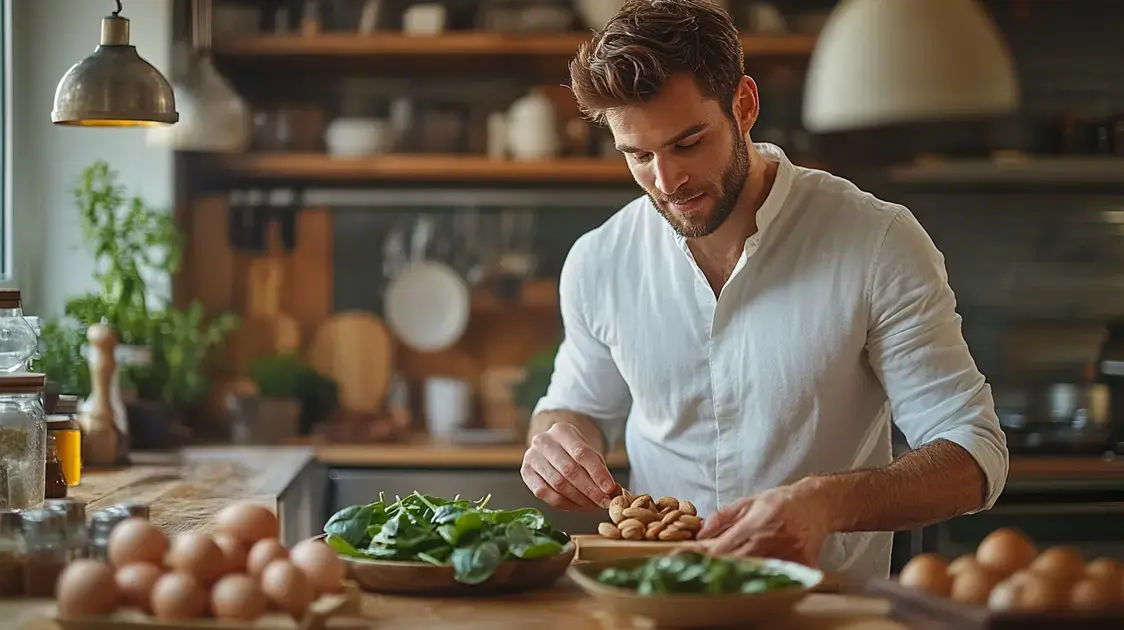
<point x="185" y="490"/>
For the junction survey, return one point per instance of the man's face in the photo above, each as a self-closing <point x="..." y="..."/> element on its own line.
<point x="688" y="156"/>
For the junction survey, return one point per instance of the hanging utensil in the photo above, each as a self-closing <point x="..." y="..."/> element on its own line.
<point x="213" y="117"/>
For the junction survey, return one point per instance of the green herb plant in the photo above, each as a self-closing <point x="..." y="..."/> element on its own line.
<point x="690" y="572"/>
<point x="131" y="240"/>
<point x="286" y="376"/>
<point x="467" y="534"/>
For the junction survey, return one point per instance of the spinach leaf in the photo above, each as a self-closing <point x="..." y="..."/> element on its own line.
<point x="468" y="535"/>
<point x="691" y="572"/>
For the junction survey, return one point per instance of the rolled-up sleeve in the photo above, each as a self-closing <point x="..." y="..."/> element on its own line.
<point x="585" y="379"/>
<point x="916" y="348"/>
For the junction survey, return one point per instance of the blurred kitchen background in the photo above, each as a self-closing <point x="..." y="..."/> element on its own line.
<point x="375" y="198"/>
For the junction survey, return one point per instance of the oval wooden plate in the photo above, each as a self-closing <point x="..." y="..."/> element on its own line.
<point x="421" y="578"/>
<point x="696" y="611"/>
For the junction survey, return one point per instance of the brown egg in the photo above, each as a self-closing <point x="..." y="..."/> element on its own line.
<point x="197" y="555"/>
<point x="248" y="522"/>
<point x="926" y="572"/>
<point x="237" y="598"/>
<point x="86" y="588"/>
<point x="1028" y="591"/>
<point x="233" y="551"/>
<point x="135" y="581"/>
<point x="320" y="564"/>
<point x="1094" y="594"/>
<point x="264" y="552"/>
<point x="1106" y="569"/>
<point x="1062" y="564"/>
<point x="1005" y="551"/>
<point x="178" y="596"/>
<point x="973" y="585"/>
<point x="137" y="540"/>
<point x="286" y="588"/>
<point x="965" y="561"/>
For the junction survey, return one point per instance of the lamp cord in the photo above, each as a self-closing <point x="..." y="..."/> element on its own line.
<point x="118" y="11"/>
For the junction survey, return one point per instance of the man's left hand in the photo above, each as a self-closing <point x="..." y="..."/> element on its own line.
<point x="788" y="523"/>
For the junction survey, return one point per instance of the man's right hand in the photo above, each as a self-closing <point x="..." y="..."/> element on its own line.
<point x="565" y="471"/>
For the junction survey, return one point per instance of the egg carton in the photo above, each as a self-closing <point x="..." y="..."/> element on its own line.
<point x="344" y="603"/>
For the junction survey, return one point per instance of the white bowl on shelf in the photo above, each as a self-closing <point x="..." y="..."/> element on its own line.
<point x="357" y="137"/>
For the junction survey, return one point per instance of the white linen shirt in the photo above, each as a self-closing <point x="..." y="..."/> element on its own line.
<point x="837" y="318"/>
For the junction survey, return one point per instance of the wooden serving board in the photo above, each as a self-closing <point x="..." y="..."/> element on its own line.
<point x="917" y="609"/>
<point x="596" y="548"/>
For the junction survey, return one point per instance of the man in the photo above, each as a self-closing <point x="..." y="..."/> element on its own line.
<point x="758" y="324"/>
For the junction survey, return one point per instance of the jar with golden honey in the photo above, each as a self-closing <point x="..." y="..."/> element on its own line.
<point x="63" y="425"/>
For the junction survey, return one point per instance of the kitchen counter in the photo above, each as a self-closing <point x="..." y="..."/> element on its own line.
<point x="422" y="452"/>
<point x="185" y="491"/>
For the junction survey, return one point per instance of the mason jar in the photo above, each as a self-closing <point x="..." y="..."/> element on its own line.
<point x="23" y="441"/>
<point x="18" y="341"/>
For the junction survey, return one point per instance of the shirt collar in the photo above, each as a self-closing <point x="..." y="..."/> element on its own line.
<point x="769" y="210"/>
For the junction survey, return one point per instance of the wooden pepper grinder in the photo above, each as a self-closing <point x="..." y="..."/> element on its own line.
<point x="104" y="437"/>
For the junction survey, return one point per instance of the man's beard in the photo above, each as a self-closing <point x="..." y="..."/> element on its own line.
<point x="733" y="180"/>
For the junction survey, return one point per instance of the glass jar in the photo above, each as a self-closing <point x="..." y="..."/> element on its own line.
<point x="23" y="441"/>
<point x="11" y="554"/>
<point x="54" y="483"/>
<point x="74" y="515"/>
<point x="18" y="341"/>
<point x="102" y="523"/>
<point x="63" y="424"/>
<point x="44" y="539"/>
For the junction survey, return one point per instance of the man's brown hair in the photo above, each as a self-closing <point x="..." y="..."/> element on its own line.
<point x="648" y="42"/>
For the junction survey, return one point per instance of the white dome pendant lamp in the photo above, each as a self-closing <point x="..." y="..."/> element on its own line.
<point x="887" y="62"/>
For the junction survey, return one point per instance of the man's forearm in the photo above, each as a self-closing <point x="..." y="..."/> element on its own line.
<point x="935" y="482"/>
<point x="587" y="426"/>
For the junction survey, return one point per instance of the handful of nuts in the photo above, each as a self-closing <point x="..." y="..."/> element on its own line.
<point x="644" y="518"/>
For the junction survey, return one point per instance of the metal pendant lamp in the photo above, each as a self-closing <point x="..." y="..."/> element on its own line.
<point x="114" y="86"/>
<point x="886" y="62"/>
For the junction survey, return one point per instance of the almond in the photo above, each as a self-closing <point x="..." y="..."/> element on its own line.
<point x="630" y="522"/>
<point x="608" y="530"/>
<point x="633" y="533"/>
<point x="667" y="502"/>
<point x="655" y="528"/>
<point x="687" y="521"/>
<point x="642" y="501"/>
<point x="615" y="511"/>
<point x="671" y="517"/>
<point x="641" y="514"/>
<point x="673" y="535"/>
<point x="687" y="507"/>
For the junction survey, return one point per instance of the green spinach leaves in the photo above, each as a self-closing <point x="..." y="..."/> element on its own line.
<point x="691" y="572"/>
<point x="471" y="537"/>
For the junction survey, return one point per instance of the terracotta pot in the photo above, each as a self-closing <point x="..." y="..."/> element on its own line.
<point x="262" y="420"/>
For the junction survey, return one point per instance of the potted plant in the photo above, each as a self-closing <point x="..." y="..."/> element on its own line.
<point x="289" y="396"/>
<point x="163" y="350"/>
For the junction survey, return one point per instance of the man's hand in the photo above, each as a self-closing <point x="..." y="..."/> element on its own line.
<point x="782" y="523"/>
<point x="565" y="471"/>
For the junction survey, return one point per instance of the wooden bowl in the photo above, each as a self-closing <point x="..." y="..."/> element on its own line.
<point x="421" y="578"/>
<point x="696" y="611"/>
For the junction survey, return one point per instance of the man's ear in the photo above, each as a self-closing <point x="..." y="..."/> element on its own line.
<point x="747" y="105"/>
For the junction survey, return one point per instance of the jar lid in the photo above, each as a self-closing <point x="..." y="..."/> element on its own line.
<point x="73" y="510"/>
<point x="10" y="298"/>
<point x="10" y="521"/>
<point x="41" y="521"/>
<point x="22" y="383"/>
<point x="66" y="404"/>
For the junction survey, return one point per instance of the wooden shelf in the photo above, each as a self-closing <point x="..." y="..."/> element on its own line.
<point x="471" y="43"/>
<point x="1012" y="170"/>
<point x="419" y="168"/>
<point x="537" y="294"/>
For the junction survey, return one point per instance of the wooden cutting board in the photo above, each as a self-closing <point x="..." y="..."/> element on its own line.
<point x="355" y="350"/>
<point x="266" y="330"/>
<point x="596" y="548"/>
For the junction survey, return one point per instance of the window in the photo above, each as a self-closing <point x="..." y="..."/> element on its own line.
<point x="5" y="139"/>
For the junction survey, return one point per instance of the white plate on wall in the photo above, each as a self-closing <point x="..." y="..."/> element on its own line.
<point x="427" y="306"/>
